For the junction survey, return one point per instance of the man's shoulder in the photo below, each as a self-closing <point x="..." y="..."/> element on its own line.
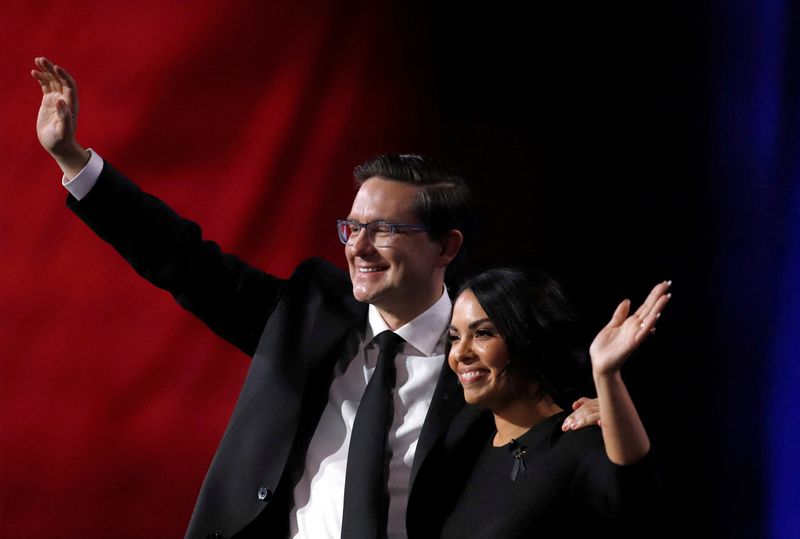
<point x="319" y="269"/>
<point x="318" y="276"/>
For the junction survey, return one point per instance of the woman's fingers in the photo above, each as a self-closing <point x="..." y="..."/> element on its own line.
<point x="647" y="325"/>
<point x="587" y="412"/>
<point x="652" y="299"/>
<point x="620" y="313"/>
<point x="580" y="402"/>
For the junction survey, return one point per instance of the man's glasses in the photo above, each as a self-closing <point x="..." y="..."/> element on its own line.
<point x="379" y="233"/>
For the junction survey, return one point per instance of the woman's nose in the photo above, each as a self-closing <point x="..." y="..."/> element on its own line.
<point x="463" y="351"/>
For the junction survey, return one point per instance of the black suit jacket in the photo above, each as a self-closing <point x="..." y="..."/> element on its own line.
<point x="295" y="330"/>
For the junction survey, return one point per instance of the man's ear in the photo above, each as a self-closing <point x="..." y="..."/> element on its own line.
<point x="451" y="244"/>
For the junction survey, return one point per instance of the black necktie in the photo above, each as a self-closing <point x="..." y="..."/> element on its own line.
<point x="366" y="495"/>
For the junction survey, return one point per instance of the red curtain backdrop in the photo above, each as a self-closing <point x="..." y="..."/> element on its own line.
<point x="247" y="117"/>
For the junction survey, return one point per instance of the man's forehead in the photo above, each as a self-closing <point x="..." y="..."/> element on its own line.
<point x="381" y="198"/>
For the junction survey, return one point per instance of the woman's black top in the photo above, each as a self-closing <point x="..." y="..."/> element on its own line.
<point x="549" y="483"/>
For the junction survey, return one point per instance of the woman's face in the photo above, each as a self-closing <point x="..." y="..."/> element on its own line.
<point x="478" y="355"/>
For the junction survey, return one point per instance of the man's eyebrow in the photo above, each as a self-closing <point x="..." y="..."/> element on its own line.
<point x="378" y="220"/>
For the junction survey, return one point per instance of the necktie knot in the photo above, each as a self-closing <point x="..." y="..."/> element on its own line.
<point x="388" y="342"/>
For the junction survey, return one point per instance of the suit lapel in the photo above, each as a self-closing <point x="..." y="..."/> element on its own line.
<point x="446" y="403"/>
<point x="332" y="325"/>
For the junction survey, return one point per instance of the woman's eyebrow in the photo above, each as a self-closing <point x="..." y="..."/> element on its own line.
<point x="477" y="323"/>
<point x="472" y="325"/>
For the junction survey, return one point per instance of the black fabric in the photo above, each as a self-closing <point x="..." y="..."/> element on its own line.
<point x="366" y="494"/>
<point x="569" y="488"/>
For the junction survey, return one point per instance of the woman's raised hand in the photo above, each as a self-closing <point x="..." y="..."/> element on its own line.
<point x="623" y="334"/>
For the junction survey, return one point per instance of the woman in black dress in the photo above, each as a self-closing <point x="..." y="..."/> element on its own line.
<point x="535" y="477"/>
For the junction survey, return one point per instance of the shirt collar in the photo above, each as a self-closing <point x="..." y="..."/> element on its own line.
<point x="424" y="332"/>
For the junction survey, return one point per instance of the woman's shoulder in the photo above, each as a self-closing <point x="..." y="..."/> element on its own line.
<point x="579" y="444"/>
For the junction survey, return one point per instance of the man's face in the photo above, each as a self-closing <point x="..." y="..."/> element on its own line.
<point x="401" y="278"/>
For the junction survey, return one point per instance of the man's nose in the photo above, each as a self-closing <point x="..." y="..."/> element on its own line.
<point x="361" y="243"/>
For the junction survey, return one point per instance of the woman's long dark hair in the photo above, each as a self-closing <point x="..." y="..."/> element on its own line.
<point x="538" y="324"/>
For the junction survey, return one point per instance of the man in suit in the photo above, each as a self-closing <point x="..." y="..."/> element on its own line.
<point x="281" y="468"/>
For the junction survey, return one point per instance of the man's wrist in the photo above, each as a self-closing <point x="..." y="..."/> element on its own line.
<point x="72" y="159"/>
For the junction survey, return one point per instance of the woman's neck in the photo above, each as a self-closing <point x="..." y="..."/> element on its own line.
<point x="519" y="417"/>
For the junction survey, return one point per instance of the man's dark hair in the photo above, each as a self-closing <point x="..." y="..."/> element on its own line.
<point x="443" y="199"/>
<point x="538" y="325"/>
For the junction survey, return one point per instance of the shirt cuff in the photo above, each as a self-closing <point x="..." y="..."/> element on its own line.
<point x="82" y="183"/>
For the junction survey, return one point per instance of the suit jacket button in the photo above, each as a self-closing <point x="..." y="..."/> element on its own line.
<point x="264" y="494"/>
<point x="215" y="535"/>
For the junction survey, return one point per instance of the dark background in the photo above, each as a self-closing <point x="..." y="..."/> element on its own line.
<point x="586" y="128"/>
<point x="611" y="145"/>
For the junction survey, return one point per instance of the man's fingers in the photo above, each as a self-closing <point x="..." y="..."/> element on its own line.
<point x="70" y="88"/>
<point x="45" y="64"/>
<point x="49" y="77"/>
<point x="45" y="75"/>
<point x="65" y="76"/>
<point x="41" y="78"/>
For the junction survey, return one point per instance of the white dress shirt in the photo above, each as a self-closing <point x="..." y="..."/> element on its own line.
<point x="82" y="183"/>
<point x="319" y="496"/>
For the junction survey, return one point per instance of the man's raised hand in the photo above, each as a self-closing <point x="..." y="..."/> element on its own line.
<point x="58" y="116"/>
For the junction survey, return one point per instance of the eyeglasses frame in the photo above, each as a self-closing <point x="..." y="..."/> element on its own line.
<point x="393" y="227"/>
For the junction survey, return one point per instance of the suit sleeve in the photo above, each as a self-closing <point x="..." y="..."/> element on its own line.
<point x="229" y="296"/>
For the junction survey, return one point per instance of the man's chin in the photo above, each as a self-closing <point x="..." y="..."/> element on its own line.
<point x="364" y="296"/>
